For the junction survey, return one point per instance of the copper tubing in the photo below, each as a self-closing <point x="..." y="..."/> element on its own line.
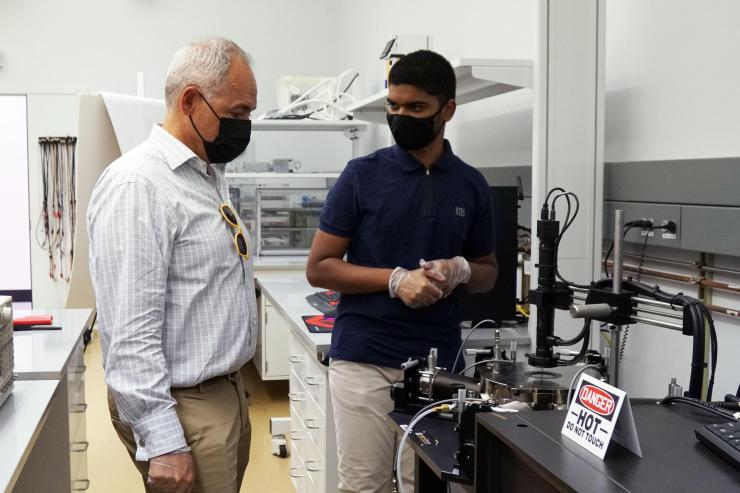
<point x="699" y="281"/>
<point x="659" y="274"/>
<point x="705" y="283"/>
<point x="724" y="311"/>
<point x="733" y="288"/>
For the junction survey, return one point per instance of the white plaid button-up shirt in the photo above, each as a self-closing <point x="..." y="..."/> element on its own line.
<point x="176" y="303"/>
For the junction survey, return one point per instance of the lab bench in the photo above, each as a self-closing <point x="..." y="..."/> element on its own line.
<point x="302" y="361"/>
<point x="52" y="358"/>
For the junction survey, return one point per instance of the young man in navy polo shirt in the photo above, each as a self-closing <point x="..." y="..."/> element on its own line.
<point x="415" y="222"/>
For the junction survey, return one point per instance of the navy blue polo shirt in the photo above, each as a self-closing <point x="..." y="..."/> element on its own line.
<point x="396" y="213"/>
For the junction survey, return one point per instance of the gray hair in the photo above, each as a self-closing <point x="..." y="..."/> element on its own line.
<point x="203" y="63"/>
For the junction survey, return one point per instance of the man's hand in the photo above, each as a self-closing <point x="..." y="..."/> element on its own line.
<point x="454" y="271"/>
<point x="415" y="288"/>
<point x="171" y="473"/>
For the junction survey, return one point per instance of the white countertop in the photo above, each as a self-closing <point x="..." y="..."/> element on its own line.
<point x="22" y="417"/>
<point x="43" y="354"/>
<point x="288" y="292"/>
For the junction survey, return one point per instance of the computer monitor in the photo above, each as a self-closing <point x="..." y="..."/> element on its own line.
<point x="499" y="303"/>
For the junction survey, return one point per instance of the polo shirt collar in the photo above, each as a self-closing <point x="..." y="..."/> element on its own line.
<point x="409" y="162"/>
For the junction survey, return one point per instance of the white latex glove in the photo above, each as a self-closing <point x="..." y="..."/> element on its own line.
<point x="416" y="288"/>
<point x="455" y="270"/>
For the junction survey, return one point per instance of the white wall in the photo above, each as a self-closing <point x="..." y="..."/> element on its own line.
<point x="672" y="79"/>
<point x="89" y="46"/>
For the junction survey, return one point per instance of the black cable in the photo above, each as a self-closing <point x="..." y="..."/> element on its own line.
<point x="570" y="283"/>
<point x="626" y="335"/>
<point x="581" y="334"/>
<point x="695" y="314"/>
<point x="705" y="406"/>
<point x="568" y="222"/>
<point x="611" y="247"/>
<point x="713" y="350"/>
<point x="584" y="347"/>
<point x="556" y="189"/>
<point x="642" y="256"/>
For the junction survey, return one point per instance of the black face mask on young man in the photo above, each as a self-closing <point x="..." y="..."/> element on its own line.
<point x="413" y="133"/>
<point x="232" y="139"/>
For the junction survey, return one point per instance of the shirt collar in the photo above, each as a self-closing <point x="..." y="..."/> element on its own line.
<point x="409" y="162"/>
<point x="174" y="151"/>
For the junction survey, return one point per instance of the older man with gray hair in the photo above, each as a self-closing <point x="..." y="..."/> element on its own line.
<point x="170" y="265"/>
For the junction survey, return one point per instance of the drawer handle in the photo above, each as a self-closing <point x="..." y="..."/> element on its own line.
<point x="313" y="380"/>
<point x="297" y="396"/>
<point x="79" y="369"/>
<point x="313" y="423"/>
<point x="294" y="435"/>
<point x="79" y="408"/>
<point x="80" y="446"/>
<point x="296" y="358"/>
<point x="85" y="482"/>
<point x="314" y="468"/>
<point x="294" y="474"/>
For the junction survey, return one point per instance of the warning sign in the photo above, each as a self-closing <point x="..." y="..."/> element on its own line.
<point x="593" y="415"/>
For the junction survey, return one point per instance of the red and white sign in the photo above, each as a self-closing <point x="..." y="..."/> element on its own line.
<point x="598" y="414"/>
<point x="597" y="400"/>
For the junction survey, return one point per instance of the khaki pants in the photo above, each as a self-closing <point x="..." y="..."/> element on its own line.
<point x="366" y="436"/>
<point x="215" y="419"/>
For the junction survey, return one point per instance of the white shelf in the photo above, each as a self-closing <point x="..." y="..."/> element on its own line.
<point x="268" y="174"/>
<point x="309" y="125"/>
<point x="476" y="79"/>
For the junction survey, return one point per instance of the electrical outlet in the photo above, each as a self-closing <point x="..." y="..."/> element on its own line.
<point x="669" y="228"/>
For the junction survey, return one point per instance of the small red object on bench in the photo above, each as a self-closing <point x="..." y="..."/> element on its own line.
<point x="34" y="320"/>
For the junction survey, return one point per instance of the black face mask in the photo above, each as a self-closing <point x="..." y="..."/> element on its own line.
<point x="413" y="133"/>
<point x="232" y="139"/>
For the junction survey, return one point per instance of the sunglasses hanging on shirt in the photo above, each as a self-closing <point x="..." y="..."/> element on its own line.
<point x="240" y="242"/>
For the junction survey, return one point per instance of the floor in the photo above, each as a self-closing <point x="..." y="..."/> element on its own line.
<point x="110" y="470"/>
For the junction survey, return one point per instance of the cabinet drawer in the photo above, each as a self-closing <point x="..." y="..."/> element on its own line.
<point x="298" y="432"/>
<point x="315" y="381"/>
<point x="297" y="358"/>
<point x="75" y="423"/>
<point x="76" y="384"/>
<point x="80" y="480"/>
<point x="315" y="465"/>
<point x="76" y="390"/>
<point x="78" y="437"/>
<point x="297" y="394"/>
<point x="312" y="373"/>
<point x="315" y="422"/>
<point x="297" y="471"/>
